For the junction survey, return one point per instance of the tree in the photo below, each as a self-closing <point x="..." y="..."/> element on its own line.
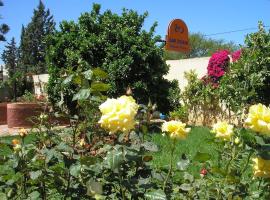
<point x="201" y="46"/>
<point x="33" y="40"/>
<point x="10" y="57"/>
<point x="118" y="45"/>
<point x="3" y="27"/>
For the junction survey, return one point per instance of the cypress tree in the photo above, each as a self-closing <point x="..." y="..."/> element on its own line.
<point x="33" y="40"/>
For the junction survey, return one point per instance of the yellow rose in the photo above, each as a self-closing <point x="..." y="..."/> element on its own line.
<point x="22" y="132"/>
<point x="261" y="167"/>
<point x="176" y="129"/>
<point x="118" y="114"/>
<point x="223" y="130"/>
<point x="259" y="119"/>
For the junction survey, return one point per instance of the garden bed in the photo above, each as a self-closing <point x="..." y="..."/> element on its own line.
<point x="22" y="114"/>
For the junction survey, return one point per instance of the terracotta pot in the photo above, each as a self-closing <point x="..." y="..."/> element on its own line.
<point x="3" y="113"/>
<point x="22" y="114"/>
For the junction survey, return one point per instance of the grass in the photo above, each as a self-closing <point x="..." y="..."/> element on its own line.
<point x="8" y="139"/>
<point x="197" y="141"/>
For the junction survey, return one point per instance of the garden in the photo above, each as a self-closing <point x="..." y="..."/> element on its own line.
<point x="131" y="134"/>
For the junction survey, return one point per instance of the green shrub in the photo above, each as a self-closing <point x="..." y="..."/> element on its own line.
<point x="249" y="79"/>
<point x="118" y="45"/>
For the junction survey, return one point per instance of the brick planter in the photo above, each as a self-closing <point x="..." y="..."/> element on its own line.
<point x="3" y="113"/>
<point x="19" y="114"/>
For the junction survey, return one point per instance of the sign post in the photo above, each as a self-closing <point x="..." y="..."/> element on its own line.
<point x="177" y="37"/>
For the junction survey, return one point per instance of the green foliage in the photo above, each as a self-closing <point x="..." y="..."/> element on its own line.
<point x="27" y="97"/>
<point x="3" y="27"/>
<point x="248" y="80"/>
<point x="33" y="41"/>
<point x="181" y="113"/>
<point x="201" y="46"/>
<point x="118" y="45"/>
<point x="201" y="100"/>
<point x="10" y="56"/>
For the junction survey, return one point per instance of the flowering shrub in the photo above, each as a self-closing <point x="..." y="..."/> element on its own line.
<point x="223" y="130"/>
<point x="118" y="114"/>
<point x="236" y="55"/>
<point x="218" y="64"/>
<point x="259" y="119"/>
<point x="176" y="129"/>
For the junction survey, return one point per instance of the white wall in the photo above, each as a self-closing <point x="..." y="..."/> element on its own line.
<point x="178" y="67"/>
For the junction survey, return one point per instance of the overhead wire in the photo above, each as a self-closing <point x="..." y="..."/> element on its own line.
<point x="233" y="31"/>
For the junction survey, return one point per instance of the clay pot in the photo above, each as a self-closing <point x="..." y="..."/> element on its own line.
<point x="3" y="113"/>
<point x="22" y="114"/>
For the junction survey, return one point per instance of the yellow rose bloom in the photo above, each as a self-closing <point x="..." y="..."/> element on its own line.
<point x="22" y="132"/>
<point x="176" y="129"/>
<point x="118" y="114"/>
<point x="223" y="130"/>
<point x="259" y="119"/>
<point x="261" y="167"/>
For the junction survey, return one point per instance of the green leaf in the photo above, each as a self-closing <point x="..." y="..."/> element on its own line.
<point x="34" y="195"/>
<point x="88" y="160"/>
<point x="3" y="196"/>
<point x="35" y="174"/>
<point x="156" y="195"/>
<point x="185" y="187"/>
<point x="183" y="164"/>
<point x="100" y="87"/>
<point x="150" y="146"/>
<point x="68" y="79"/>
<point x="83" y="94"/>
<point x="93" y="188"/>
<point x="188" y="177"/>
<point x="75" y="170"/>
<point x="88" y="74"/>
<point x="259" y="140"/>
<point x="202" y="157"/>
<point x="114" y="159"/>
<point x="100" y="73"/>
<point x="77" y="80"/>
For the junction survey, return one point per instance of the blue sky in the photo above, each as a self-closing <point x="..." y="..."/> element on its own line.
<point x="207" y="17"/>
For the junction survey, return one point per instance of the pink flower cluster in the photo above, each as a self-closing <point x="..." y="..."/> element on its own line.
<point x="218" y="64"/>
<point x="236" y="55"/>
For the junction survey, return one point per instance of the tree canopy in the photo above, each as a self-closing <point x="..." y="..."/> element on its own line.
<point x="10" y="57"/>
<point x="33" y="38"/>
<point x="118" y="45"/>
<point x="4" y="28"/>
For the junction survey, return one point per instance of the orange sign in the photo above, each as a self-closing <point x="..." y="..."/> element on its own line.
<point x="177" y="36"/>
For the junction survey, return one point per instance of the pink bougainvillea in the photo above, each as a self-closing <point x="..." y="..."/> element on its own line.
<point x="218" y="64"/>
<point x="236" y="55"/>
